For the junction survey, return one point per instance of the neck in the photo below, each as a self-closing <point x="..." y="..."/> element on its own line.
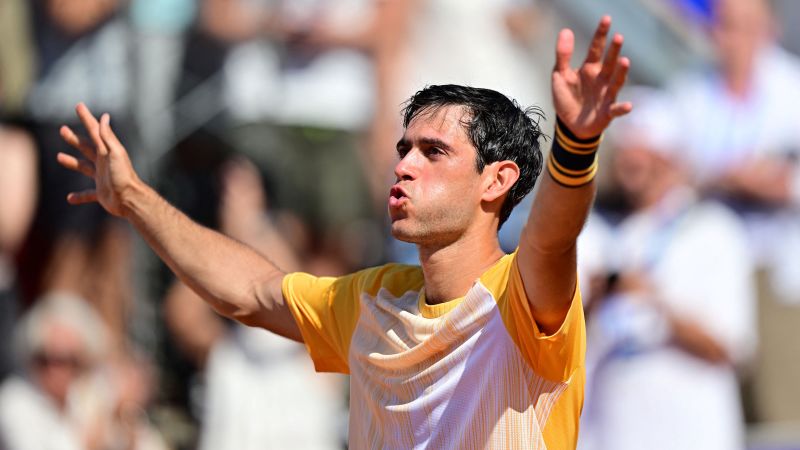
<point x="451" y="270"/>
<point x="738" y="84"/>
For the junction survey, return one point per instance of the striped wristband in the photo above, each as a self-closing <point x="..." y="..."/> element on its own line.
<point x="573" y="161"/>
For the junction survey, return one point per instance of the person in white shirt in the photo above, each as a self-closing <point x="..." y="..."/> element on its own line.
<point x="679" y="316"/>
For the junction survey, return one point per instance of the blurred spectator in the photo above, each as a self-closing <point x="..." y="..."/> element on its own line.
<point x="68" y="395"/>
<point x="81" y="55"/>
<point x="18" y="193"/>
<point x="739" y="129"/>
<point x="298" y="83"/>
<point x="160" y="28"/>
<point x="738" y="126"/>
<point x="18" y="163"/>
<point x="260" y="389"/>
<point x="16" y="62"/>
<point x="679" y="316"/>
<point x="482" y="43"/>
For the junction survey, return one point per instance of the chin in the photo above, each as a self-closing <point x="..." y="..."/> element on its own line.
<point x="402" y="233"/>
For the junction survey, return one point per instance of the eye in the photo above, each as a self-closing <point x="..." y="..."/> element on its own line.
<point x="434" y="151"/>
<point x="402" y="152"/>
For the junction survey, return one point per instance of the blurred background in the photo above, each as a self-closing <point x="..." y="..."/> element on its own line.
<point x="274" y="121"/>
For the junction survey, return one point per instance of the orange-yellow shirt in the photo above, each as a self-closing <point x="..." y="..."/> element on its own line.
<point x="471" y="373"/>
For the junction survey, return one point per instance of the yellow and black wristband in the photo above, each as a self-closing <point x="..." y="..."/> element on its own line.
<point x="573" y="161"/>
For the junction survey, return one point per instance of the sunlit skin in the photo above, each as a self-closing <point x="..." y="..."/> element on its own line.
<point x="438" y="197"/>
<point x="440" y="203"/>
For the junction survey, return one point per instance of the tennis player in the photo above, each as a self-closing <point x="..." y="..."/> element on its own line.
<point x="471" y="349"/>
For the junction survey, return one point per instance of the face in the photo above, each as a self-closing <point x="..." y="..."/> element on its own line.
<point x="741" y="27"/>
<point x="634" y="169"/>
<point x="438" y="190"/>
<point x="60" y="361"/>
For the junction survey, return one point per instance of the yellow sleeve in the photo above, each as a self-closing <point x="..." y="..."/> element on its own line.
<point x="557" y="356"/>
<point x="326" y="311"/>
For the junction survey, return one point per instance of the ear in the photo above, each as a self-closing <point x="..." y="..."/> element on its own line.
<point x="499" y="177"/>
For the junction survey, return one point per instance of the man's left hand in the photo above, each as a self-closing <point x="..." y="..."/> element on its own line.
<point x="586" y="98"/>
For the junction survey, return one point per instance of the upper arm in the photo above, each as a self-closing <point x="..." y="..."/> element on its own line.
<point x="550" y="281"/>
<point x="547" y="250"/>
<point x="554" y="353"/>
<point x="273" y="311"/>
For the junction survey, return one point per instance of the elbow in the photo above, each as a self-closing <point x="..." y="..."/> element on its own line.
<point x="258" y="301"/>
<point x="247" y="311"/>
<point x="248" y="318"/>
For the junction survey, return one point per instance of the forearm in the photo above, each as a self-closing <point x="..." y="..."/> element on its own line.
<point x="557" y="216"/>
<point x="691" y="337"/>
<point x="565" y="195"/>
<point x="547" y="244"/>
<point x="235" y="280"/>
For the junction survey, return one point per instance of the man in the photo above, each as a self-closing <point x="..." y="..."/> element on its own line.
<point x="71" y="392"/>
<point x="437" y="359"/>
<point x="737" y="125"/>
<point x="678" y="316"/>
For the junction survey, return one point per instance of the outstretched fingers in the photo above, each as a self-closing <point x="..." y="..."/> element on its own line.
<point x="92" y="127"/>
<point x="618" y="79"/>
<point x="620" y="74"/>
<point x="598" y="44"/>
<point x="620" y="109"/>
<point x="564" y="47"/>
<point x="79" y="198"/>
<point x="78" y="165"/>
<point x="612" y="56"/>
<point x="76" y="142"/>
<point x="107" y="134"/>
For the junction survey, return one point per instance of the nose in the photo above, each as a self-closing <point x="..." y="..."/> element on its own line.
<point x="405" y="169"/>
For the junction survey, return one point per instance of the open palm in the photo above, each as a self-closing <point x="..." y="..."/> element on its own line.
<point x="106" y="162"/>
<point x="585" y="99"/>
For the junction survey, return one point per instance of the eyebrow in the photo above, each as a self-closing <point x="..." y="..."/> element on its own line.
<point x="431" y="141"/>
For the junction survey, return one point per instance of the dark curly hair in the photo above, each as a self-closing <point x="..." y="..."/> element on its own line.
<point x="498" y="128"/>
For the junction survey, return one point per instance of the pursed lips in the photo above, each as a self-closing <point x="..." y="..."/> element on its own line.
<point x="397" y="196"/>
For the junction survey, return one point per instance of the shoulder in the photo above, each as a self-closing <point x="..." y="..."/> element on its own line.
<point x="718" y="219"/>
<point x="496" y="278"/>
<point x="17" y="391"/>
<point x="21" y="402"/>
<point x="781" y="63"/>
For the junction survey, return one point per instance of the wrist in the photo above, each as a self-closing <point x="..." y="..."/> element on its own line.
<point x="133" y="197"/>
<point x="572" y="136"/>
<point x="572" y="161"/>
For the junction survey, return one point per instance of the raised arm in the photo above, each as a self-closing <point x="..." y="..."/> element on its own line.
<point x="235" y="280"/>
<point x="585" y="103"/>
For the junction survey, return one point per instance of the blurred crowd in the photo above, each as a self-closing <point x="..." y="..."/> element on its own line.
<point x="275" y="122"/>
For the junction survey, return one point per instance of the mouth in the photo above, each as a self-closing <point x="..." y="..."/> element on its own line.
<point x="397" y="196"/>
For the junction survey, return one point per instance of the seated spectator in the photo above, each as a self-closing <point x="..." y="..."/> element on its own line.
<point x="260" y="390"/>
<point x="678" y="318"/>
<point x="68" y="395"/>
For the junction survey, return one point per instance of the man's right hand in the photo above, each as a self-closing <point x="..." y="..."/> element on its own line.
<point x="235" y="280"/>
<point x="106" y="162"/>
